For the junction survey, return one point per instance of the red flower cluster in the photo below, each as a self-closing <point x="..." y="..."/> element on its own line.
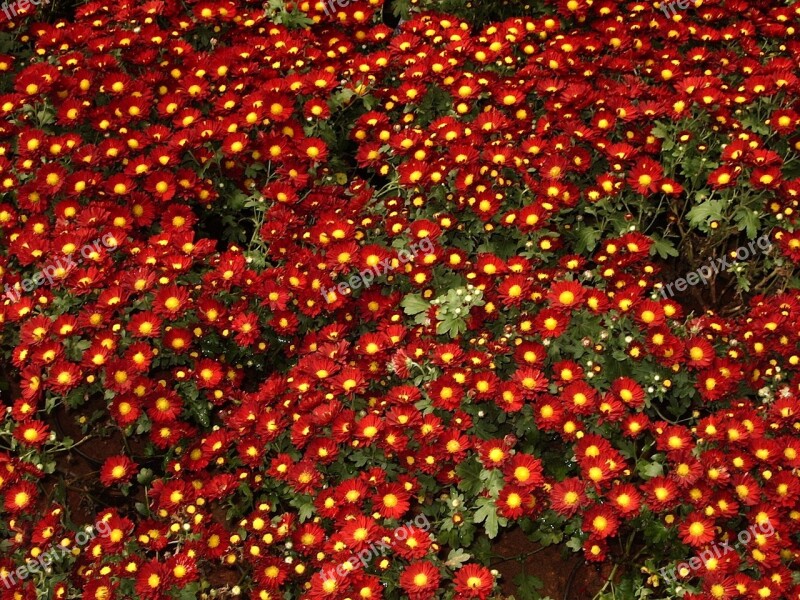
<point x="523" y="370"/>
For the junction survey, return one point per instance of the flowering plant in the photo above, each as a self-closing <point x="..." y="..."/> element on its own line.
<point x="244" y="425"/>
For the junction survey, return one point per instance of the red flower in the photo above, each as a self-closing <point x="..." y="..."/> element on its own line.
<point x="661" y="493"/>
<point x="32" y="433"/>
<point x="411" y="542"/>
<point x="645" y="177"/>
<point x="473" y="581"/>
<point x="420" y="580"/>
<point x="513" y="289"/>
<point x="524" y="471"/>
<point x="101" y="588"/>
<point x="595" y="550"/>
<point x="531" y="381"/>
<point x="580" y="398"/>
<point x="20" y="497"/>
<point x="514" y="502"/>
<point x="697" y="530"/>
<point x="170" y="300"/>
<point x="628" y="391"/>
<point x="699" y="352"/>
<point x="600" y="521"/>
<point x="125" y="409"/>
<point x="208" y="373"/>
<point x="566" y="294"/>
<point x="117" y="469"/>
<point x="63" y="377"/>
<point x="568" y="497"/>
<point x="551" y="322"/>
<point x="152" y="580"/>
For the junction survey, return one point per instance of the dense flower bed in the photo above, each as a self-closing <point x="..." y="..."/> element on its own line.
<point x="185" y="185"/>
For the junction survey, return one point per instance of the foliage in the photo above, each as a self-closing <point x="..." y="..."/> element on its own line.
<point x="275" y="437"/>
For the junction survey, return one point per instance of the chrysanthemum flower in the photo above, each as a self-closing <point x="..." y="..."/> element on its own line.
<point x="473" y="581"/>
<point x="20" y="497"/>
<point x="152" y="580"/>
<point x="697" y="530"/>
<point x="117" y="469"/>
<point x="32" y="433"/>
<point x="420" y="580"/>
<point x="600" y="521"/>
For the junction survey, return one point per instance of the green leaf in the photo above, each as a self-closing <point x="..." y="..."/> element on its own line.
<point x="190" y="591"/>
<point x="703" y="214"/>
<point x="574" y="543"/>
<point x="487" y="514"/>
<point x="528" y="587"/>
<point x="143" y="425"/>
<point x="494" y="481"/>
<point x="648" y="470"/>
<point x="413" y="304"/>
<point x="304" y="506"/>
<point x="200" y="411"/>
<point x="145" y="476"/>
<point x="587" y="239"/>
<point x="341" y="97"/>
<point x="456" y="558"/>
<point x="747" y="220"/>
<point x="663" y="248"/>
<point x="469" y="473"/>
<point x="660" y="131"/>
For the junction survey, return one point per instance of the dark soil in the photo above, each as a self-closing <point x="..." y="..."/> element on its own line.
<point x="564" y="574"/>
<point x="78" y="470"/>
